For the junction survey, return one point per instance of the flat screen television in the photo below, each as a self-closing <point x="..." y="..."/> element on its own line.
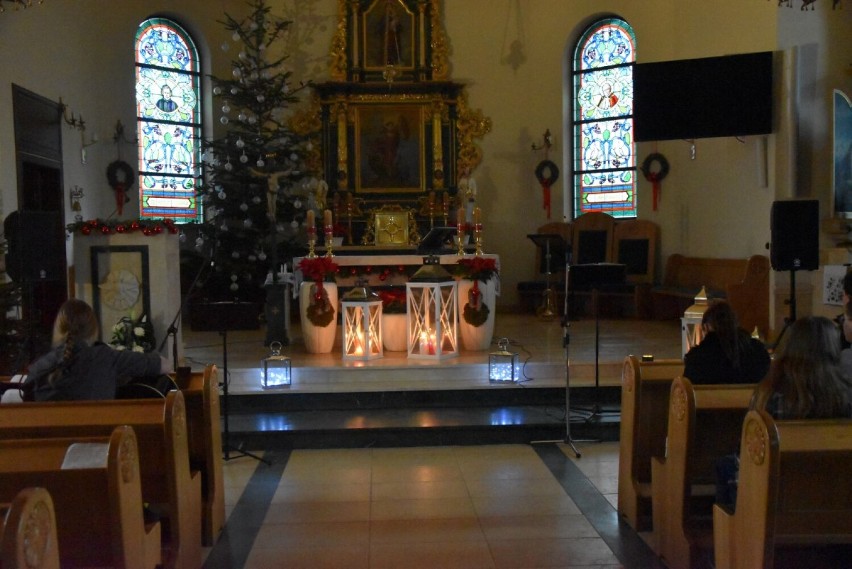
<point x="703" y="98"/>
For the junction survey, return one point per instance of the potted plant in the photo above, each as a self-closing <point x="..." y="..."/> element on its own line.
<point x="477" y="295"/>
<point x="318" y="303"/>
<point x="394" y="308"/>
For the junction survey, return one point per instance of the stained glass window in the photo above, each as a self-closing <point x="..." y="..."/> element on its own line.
<point x="604" y="153"/>
<point x="168" y="121"/>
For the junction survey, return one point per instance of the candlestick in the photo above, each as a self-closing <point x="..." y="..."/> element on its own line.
<point x="460" y="236"/>
<point x="312" y="233"/>
<point x="309" y="219"/>
<point x="329" y="232"/>
<point x="477" y="215"/>
<point x="327" y="217"/>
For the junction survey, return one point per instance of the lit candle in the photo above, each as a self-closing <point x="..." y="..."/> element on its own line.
<point x="326" y="218"/>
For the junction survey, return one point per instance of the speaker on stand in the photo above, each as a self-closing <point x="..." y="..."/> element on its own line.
<point x="794" y="228"/>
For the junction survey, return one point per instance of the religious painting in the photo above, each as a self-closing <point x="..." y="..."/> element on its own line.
<point x="842" y="155"/>
<point x="120" y="285"/>
<point x="388" y="35"/>
<point x="389" y="148"/>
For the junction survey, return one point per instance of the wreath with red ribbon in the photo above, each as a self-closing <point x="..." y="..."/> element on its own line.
<point x="655" y="176"/>
<point x="120" y="178"/>
<point x="547" y="180"/>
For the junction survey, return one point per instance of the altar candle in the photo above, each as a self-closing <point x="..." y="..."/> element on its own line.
<point x="446" y="197"/>
<point x="431" y="198"/>
<point x="460" y="216"/>
<point x="326" y="218"/>
<point x="477" y="216"/>
<point x="310" y="220"/>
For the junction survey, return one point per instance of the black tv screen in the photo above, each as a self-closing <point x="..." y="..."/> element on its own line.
<point x="703" y="98"/>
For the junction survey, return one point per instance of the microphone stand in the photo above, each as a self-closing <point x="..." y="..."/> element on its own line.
<point x="172" y="329"/>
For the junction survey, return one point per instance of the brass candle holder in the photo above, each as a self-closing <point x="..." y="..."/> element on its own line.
<point x="312" y="242"/>
<point x="460" y="239"/>
<point x="329" y="240"/>
<point x="477" y="238"/>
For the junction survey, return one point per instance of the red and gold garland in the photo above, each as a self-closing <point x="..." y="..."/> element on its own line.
<point x="107" y="227"/>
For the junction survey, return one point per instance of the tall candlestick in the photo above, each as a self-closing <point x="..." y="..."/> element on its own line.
<point x="460" y="216"/>
<point x="326" y="217"/>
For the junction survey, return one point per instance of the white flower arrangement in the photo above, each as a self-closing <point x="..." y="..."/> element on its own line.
<point x="137" y="336"/>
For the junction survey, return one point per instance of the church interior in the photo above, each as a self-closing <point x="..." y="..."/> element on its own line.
<point x="407" y="251"/>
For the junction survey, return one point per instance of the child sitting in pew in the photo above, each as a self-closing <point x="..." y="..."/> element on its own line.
<point x="80" y="368"/>
<point x="806" y="381"/>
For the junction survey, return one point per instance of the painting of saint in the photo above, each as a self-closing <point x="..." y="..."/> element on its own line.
<point x="389" y="147"/>
<point x="389" y="35"/>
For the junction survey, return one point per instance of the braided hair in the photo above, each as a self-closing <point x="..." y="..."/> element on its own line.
<point x="75" y="323"/>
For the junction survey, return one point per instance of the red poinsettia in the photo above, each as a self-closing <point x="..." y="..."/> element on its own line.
<point x="477" y="269"/>
<point x="393" y="300"/>
<point x="318" y="269"/>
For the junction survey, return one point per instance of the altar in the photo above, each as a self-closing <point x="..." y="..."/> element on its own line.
<point x="383" y="266"/>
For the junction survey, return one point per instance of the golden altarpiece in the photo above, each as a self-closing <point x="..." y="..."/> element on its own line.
<point x="396" y="135"/>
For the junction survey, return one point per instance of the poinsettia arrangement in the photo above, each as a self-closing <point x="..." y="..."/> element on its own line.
<point x="393" y="300"/>
<point x="133" y="335"/>
<point x="477" y="269"/>
<point x="319" y="269"/>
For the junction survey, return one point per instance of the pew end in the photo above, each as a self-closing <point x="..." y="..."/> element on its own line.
<point x="28" y="533"/>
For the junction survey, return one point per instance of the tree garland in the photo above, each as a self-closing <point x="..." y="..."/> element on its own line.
<point x="148" y="227"/>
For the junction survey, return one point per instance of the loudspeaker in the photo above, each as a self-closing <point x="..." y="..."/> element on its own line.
<point x="36" y="246"/>
<point x="795" y="235"/>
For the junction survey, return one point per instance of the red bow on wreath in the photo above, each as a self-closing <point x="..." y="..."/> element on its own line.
<point x="546" y="181"/>
<point x="120" y="178"/>
<point x="655" y="176"/>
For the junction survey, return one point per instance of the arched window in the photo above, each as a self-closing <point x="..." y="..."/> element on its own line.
<point x="168" y="121"/>
<point x="604" y="153"/>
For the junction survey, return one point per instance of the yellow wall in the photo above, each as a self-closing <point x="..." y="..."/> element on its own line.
<point x="711" y="205"/>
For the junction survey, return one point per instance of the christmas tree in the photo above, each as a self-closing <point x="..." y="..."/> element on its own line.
<point x="256" y="192"/>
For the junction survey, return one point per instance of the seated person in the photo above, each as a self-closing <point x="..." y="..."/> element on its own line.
<point x="80" y="368"/>
<point x="846" y="335"/>
<point x="805" y="382"/>
<point x="727" y="353"/>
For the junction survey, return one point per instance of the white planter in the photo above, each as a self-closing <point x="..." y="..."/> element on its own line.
<point x="477" y="338"/>
<point x="394" y="333"/>
<point x="318" y="339"/>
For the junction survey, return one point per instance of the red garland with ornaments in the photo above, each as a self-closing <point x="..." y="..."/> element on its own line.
<point x="147" y="227"/>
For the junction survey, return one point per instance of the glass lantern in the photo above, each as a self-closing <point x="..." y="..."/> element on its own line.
<point x="277" y="370"/>
<point x="503" y="364"/>
<point x="690" y="323"/>
<point x="432" y="318"/>
<point x="361" y="315"/>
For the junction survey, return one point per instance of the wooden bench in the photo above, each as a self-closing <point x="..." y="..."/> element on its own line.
<point x="28" y="531"/>
<point x="161" y="432"/>
<point x="203" y="422"/>
<point x="793" y="489"/>
<point x="704" y="425"/>
<point x="98" y="504"/>
<point x="645" y="388"/>
<point x="744" y="283"/>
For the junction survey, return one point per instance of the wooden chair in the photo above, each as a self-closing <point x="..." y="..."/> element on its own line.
<point x="591" y="242"/>
<point x="28" y="531"/>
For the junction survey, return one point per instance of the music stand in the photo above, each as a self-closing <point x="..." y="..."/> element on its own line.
<point x="230" y="316"/>
<point x="597" y="277"/>
<point x="553" y="248"/>
<point x="438" y="239"/>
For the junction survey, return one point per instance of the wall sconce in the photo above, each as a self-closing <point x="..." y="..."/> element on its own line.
<point x="432" y="315"/>
<point x="74" y="122"/>
<point x="85" y="145"/>
<point x="502" y="364"/>
<point x="277" y="368"/>
<point x="361" y="312"/>
<point x="690" y="323"/>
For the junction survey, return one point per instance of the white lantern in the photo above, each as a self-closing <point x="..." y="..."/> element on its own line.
<point x="690" y="324"/>
<point x="276" y="368"/>
<point x="432" y="318"/>
<point x="361" y="314"/>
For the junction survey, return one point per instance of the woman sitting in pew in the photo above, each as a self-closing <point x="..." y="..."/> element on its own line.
<point x="80" y="368"/>
<point x="726" y="354"/>
<point x="806" y="381"/>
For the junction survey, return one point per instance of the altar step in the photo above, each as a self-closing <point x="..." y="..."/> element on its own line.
<point x="419" y="417"/>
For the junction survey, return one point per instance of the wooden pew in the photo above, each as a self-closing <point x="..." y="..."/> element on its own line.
<point x="704" y="425"/>
<point x="99" y="510"/>
<point x="793" y="489"/>
<point x="161" y="432"/>
<point x="203" y="422"/>
<point x="28" y="531"/>
<point x="645" y="388"/>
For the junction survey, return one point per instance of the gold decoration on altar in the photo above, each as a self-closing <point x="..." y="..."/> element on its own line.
<point x="440" y="50"/>
<point x="471" y="124"/>
<point x="391" y="225"/>
<point x="307" y="122"/>
<point x="338" y="43"/>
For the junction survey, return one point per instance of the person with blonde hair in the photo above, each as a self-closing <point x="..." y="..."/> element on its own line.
<point x="78" y="367"/>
